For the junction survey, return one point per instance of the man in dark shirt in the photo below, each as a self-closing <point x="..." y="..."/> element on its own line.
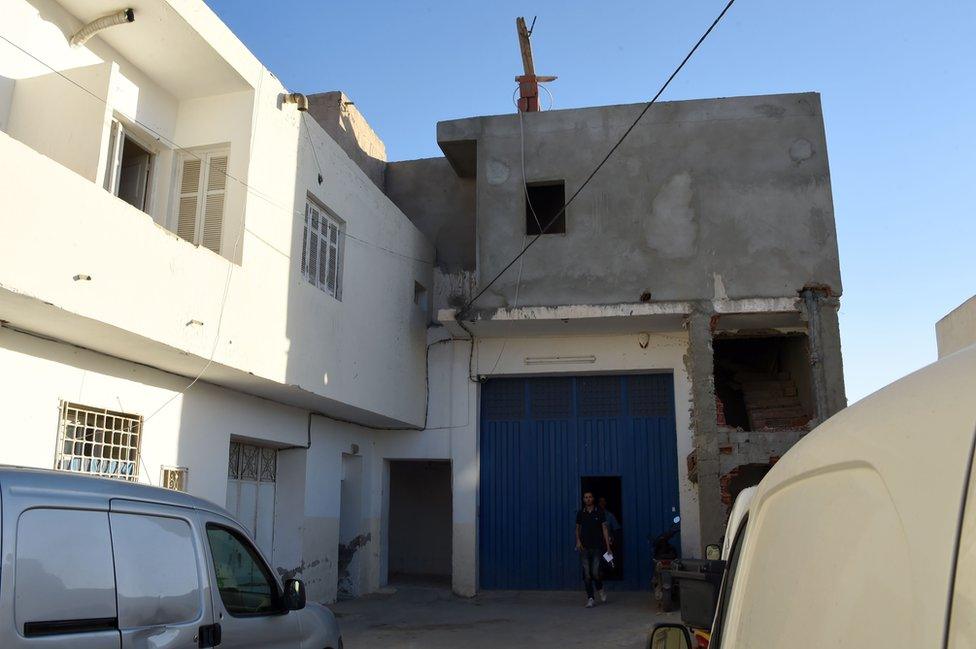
<point x="592" y="538"/>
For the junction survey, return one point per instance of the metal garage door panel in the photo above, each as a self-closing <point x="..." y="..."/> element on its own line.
<point x="539" y="436"/>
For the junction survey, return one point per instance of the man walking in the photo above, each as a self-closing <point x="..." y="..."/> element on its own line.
<point x="591" y="539"/>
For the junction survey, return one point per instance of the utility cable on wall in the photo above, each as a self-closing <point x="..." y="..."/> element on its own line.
<point x="464" y="310"/>
<point x="528" y="203"/>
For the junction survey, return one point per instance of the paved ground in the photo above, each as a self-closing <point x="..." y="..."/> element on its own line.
<point x="416" y="617"/>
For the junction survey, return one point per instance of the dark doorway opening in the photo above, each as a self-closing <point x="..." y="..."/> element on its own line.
<point x="420" y="523"/>
<point x="609" y="487"/>
<point x="763" y="382"/>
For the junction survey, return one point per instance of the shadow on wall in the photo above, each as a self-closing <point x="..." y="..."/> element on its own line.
<point x="356" y="334"/>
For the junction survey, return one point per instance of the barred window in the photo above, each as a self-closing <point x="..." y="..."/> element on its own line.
<point x="99" y="442"/>
<point x="322" y="249"/>
<point x="252" y="463"/>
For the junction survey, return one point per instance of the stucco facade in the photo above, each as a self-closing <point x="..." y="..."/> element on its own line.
<point x="709" y="233"/>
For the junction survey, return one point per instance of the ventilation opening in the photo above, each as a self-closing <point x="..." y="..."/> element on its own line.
<point x="763" y="383"/>
<point x="543" y="202"/>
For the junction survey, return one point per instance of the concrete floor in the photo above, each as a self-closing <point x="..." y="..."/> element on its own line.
<point x="433" y="618"/>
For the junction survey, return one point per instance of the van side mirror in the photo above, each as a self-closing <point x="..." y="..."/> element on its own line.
<point x="294" y="594"/>
<point x="670" y="636"/>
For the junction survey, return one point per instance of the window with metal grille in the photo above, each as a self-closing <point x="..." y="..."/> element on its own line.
<point x="98" y="441"/>
<point x="322" y="249"/>
<point x="173" y="477"/>
<point x="202" y="188"/>
<point x="251" y="462"/>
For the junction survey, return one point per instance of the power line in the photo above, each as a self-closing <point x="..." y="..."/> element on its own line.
<point x="664" y="87"/>
<point x="248" y="188"/>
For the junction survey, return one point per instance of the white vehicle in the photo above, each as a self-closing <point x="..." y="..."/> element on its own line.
<point x="864" y="534"/>
<point x="91" y="563"/>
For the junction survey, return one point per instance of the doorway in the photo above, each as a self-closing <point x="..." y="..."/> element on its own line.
<point x="609" y="487"/>
<point x="420" y="521"/>
<point x="251" y="477"/>
<point x="351" y="538"/>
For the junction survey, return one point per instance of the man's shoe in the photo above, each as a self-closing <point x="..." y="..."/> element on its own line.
<point x="590" y="603"/>
<point x="603" y="596"/>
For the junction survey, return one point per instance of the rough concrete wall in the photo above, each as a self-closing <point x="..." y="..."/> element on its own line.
<point x="957" y="329"/>
<point x="827" y="364"/>
<point x="700" y="365"/>
<point x="340" y="118"/>
<point x="730" y="193"/>
<point x="440" y="204"/>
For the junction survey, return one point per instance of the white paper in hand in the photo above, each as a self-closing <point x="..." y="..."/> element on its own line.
<point x="608" y="557"/>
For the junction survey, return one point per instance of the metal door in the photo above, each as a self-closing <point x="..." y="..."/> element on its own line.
<point x="251" y="482"/>
<point x="539" y="436"/>
<point x="161" y="576"/>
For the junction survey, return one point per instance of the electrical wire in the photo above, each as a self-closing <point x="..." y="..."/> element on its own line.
<point x="528" y="202"/>
<point x="176" y="147"/>
<point x="464" y="311"/>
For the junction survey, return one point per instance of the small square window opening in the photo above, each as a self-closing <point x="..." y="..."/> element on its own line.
<point x="543" y="202"/>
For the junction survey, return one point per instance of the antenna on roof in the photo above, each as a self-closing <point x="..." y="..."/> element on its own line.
<point x="528" y="82"/>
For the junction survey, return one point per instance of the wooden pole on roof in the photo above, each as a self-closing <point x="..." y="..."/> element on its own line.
<point x="528" y="81"/>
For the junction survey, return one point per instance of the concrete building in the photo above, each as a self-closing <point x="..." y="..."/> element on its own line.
<point x="957" y="329"/>
<point x="205" y="288"/>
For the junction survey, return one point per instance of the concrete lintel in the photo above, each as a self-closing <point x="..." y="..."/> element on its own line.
<point x="757" y="305"/>
<point x="575" y="319"/>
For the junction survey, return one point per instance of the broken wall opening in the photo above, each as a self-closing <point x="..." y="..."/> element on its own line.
<point x="420" y="521"/>
<point x="763" y="382"/>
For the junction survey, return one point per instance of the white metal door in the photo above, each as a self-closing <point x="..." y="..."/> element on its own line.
<point x="251" y="476"/>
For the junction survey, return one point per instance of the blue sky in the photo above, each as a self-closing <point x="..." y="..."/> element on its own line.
<point x="896" y="78"/>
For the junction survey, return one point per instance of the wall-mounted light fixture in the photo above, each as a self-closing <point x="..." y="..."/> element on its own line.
<point x="558" y="360"/>
<point x="81" y="277"/>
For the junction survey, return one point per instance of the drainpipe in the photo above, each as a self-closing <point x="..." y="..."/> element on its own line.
<point x="81" y="36"/>
<point x="297" y="98"/>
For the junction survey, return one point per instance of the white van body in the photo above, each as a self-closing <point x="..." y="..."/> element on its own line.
<point x="739" y="510"/>
<point x="864" y="534"/>
<point x="92" y="563"/>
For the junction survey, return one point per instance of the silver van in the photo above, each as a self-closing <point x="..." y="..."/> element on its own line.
<point x="90" y="563"/>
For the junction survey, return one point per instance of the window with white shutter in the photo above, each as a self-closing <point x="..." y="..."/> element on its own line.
<point x="322" y="246"/>
<point x="201" y="194"/>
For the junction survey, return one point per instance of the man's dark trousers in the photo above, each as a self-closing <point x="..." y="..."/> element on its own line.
<point x="590" y="559"/>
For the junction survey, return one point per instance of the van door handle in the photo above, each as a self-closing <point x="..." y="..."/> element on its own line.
<point x="209" y="635"/>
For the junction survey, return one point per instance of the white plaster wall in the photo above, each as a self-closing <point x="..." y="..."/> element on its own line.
<point x="365" y="351"/>
<point x="191" y="429"/>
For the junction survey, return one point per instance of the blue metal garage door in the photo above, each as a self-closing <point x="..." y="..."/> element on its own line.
<point x="539" y="437"/>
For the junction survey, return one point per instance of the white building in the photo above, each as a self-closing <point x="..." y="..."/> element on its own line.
<point x="203" y="287"/>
